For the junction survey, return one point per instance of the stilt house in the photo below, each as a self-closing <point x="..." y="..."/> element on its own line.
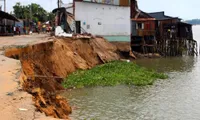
<point x="142" y="30"/>
<point x="156" y="32"/>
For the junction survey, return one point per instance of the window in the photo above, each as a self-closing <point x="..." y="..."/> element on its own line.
<point x="88" y="26"/>
<point x="139" y="25"/>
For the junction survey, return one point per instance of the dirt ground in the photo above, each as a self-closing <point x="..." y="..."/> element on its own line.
<point x="46" y="59"/>
<point x="14" y="103"/>
<point x="22" y="40"/>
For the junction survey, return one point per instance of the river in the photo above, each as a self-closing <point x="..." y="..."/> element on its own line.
<point x="176" y="98"/>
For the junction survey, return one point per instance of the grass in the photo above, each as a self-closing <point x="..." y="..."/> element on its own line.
<point x="111" y="74"/>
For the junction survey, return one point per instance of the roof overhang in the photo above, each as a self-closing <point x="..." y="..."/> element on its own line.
<point x="184" y="23"/>
<point x="62" y="9"/>
<point x="4" y="15"/>
<point x="143" y="19"/>
<point x="173" y="18"/>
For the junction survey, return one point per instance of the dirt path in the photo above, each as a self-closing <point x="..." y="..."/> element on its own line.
<point x="14" y="103"/>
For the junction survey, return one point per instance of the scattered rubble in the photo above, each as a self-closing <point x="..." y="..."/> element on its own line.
<point x="59" y="32"/>
<point x="149" y="55"/>
<point x="23" y="109"/>
<point x="82" y="36"/>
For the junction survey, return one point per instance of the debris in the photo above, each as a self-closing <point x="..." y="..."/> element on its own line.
<point x="21" y="98"/>
<point x="10" y="94"/>
<point x="23" y="109"/>
<point x="75" y="53"/>
<point x="30" y="33"/>
<point x="3" y="60"/>
<point x="84" y="35"/>
<point x="59" y="32"/>
<point x="132" y="55"/>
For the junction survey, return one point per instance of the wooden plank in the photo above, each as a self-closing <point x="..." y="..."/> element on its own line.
<point x="142" y="19"/>
<point x="124" y="3"/>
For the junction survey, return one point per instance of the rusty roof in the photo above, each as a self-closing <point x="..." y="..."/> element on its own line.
<point x="161" y="16"/>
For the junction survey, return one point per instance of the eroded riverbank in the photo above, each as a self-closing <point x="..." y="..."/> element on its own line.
<point x="45" y="64"/>
<point x="16" y="104"/>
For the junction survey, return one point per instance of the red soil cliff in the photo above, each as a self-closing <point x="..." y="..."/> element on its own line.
<point x="45" y="64"/>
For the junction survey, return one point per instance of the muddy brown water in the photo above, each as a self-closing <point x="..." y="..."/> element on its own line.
<point x="176" y="98"/>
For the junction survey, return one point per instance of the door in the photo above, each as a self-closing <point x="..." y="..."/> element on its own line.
<point x="78" y="27"/>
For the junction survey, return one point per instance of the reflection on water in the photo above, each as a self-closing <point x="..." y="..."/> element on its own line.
<point x="177" y="98"/>
<point x="176" y="64"/>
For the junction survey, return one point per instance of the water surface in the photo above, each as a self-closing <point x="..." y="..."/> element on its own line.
<point x="177" y="98"/>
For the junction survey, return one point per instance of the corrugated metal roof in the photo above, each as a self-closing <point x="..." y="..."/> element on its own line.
<point x="160" y="16"/>
<point x="5" y="15"/>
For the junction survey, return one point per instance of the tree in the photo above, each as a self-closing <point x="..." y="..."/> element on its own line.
<point x="51" y="16"/>
<point x="18" y="10"/>
<point x="33" y="12"/>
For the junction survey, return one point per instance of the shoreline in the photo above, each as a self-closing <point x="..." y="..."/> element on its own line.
<point x="104" y="54"/>
<point x="15" y="104"/>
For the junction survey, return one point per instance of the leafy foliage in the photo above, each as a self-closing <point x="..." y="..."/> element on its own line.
<point x="32" y="11"/>
<point x="111" y="74"/>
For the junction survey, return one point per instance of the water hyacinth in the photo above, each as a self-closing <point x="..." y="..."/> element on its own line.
<point x="111" y="74"/>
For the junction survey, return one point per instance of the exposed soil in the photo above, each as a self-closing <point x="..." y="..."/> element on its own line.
<point x="16" y="104"/>
<point x="123" y="46"/>
<point x="45" y="65"/>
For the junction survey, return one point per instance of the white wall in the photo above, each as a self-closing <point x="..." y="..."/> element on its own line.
<point x="115" y="20"/>
<point x="69" y="7"/>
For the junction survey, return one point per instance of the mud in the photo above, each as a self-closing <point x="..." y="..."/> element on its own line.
<point x="45" y="65"/>
<point x="124" y="48"/>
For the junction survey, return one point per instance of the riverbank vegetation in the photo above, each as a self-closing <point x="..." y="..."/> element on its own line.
<point x="113" y="73"/>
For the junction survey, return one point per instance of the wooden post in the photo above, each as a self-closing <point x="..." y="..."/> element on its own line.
<point x="4" y="5"/>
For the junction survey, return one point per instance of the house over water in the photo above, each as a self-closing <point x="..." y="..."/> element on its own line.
<point x="142" y="30"/>
<point x="156" y="32"/>
<point x="164" y="23"/>
<point x="149" y="32"/>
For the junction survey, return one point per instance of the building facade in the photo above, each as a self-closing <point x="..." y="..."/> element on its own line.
<point x="103" y="19"/>
<point x="112" y="2"/>
<point x="7" y="23"/>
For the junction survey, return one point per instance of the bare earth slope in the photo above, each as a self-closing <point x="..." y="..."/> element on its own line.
<point x="45" y="64"/>
<point x="14" y="103"/>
